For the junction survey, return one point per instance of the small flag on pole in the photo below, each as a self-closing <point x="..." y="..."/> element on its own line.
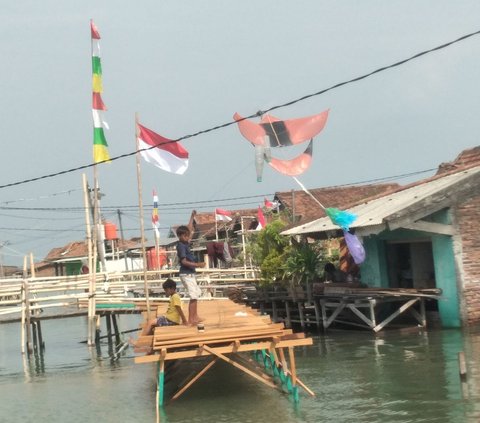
<point x="155" y="218"/>
<point x="260" y="219"/>
<point x="166" y="154"/>
<point x="222" y="215"/>
<point x="100" y="146"/>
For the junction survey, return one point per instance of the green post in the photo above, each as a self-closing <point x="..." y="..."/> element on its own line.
<point x="161" y="381"/>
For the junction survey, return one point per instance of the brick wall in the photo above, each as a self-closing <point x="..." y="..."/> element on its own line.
<point x="468" y="220"/>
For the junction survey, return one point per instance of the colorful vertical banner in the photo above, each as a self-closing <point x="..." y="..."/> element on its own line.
<point x="100" y="146"/>
<point x="155" y="217"/>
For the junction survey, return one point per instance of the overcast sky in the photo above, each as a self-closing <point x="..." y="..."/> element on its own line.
<point x="186" y="66"/>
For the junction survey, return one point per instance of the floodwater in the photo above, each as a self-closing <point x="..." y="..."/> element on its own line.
<point x="358" y="377"/>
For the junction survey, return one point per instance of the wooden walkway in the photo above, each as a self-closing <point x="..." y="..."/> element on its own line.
<point x="229" y="330"/>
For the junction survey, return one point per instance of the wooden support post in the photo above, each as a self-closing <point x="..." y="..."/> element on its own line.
<point x="97" y="329"/>
<point x="274" y="311"/>
<point x="35" y="339"/>
<point x="293" y="369"/>
<point x="300" y="313"/>
<point x="288" y="318"/>
<point x="423" y="313"/>
<point x="115" y="328"/>
<point x="161" y="377"/>
<point x="27" y="308"/>
<point x="41" y="344"/>
<point x="109" y="333"/>
<point x="22" y="337"/>
<point x="293" y="374"/>
<point x="372" y="312"/>
<point x="462" y="365"/>
<point x="317" y="313"/>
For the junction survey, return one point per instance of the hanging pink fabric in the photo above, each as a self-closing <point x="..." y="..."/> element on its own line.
<point x="282" y="132"/>
<point x="295" y="166"/>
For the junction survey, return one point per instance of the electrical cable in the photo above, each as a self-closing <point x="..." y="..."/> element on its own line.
<point x="259" y="113"/>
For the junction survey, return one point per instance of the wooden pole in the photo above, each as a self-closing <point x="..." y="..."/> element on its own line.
<point x="91" y="292"/>
<point x="244" y="250"/>
<point x="27" y="306"/>
<point x="142" y="225"/>
<point x="22" y="337"/>
<point x="161" y="377"/>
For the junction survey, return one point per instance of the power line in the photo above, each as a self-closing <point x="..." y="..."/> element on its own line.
<point x="259" y="113"/>
<point x="165" y="207"/>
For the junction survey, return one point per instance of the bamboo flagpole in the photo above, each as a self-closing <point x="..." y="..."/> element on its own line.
<point x="91" y="292"/>
<point x="140" y="206"/>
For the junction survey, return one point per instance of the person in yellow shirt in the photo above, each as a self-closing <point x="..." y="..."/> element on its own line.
<point x="174" y="314"/>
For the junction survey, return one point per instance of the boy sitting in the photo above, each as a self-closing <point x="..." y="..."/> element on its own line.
<point x="174" y="314"/>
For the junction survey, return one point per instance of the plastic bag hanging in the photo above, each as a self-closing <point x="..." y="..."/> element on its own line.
<point x="355" y="247"/>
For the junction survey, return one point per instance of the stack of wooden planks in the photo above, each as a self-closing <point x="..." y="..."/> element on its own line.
<point x="228" y="330"/>
<point x="234" y="327"/>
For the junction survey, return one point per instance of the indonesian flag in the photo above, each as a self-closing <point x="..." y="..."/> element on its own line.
<point x="270" y="204"/>
<point x="260" y="219"/>
<point x="100" y="146"/>
<point x="168" y="155"/>
<point x="222" y="215"/>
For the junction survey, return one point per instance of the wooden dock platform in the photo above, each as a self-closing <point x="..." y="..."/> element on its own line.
<point x="230" y="329"/>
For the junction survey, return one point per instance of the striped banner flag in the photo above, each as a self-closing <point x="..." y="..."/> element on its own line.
<point x="100" y="146"/>
<point x="155" y="218"/>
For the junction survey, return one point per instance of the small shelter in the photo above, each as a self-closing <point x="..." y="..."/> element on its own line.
<point x="422" y="235"/>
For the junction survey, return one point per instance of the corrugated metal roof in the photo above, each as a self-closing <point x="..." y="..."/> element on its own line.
<point x="378" y="212"/>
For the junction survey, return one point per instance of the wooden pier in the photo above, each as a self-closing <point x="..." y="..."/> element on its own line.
<point x="230" y="330"/>
<point x="362" y="307"/>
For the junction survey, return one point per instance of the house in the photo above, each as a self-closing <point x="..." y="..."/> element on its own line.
<point x="72" y="259"/>
<point x="424" y="234"/>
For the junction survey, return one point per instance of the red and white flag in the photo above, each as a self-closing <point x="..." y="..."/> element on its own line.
<point x="223" y="215"/>
<point x="270" y="204"/>
<point x="260" y="219"/>
<point x="168" y="155"/>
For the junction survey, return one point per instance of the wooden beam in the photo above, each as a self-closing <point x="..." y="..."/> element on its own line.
<point x="199" y="352"/>
<point x="194" y="379"/>
<point x="238" y="366"/>
<point x="424" y="226"/>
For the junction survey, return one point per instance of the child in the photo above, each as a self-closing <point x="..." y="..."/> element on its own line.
<point x="174" y="314"/>
<point x="187" y="273"/>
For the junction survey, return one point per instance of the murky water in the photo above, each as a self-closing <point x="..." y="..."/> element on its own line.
<point x="358" y="377"/>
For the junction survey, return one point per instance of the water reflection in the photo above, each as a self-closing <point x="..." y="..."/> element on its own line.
<point x="357" y="376"/>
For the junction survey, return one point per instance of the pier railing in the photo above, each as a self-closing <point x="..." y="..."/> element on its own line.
<point x="40" y="294"/>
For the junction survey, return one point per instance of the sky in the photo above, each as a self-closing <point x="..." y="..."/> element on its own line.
<point x="187" y="66"/>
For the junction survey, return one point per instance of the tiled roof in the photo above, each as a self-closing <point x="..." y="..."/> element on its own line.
<point x="80" y="249"/>
<point x="406" y="205"/>
<point x="466" y="159"/>
<point x="306" y="209"/>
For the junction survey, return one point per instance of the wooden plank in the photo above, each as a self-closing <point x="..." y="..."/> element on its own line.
<point x="215" y="341"/>
<point x="198" y="352"/>
<point x="178" y="332"/>
<point x="205" y="336"/>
